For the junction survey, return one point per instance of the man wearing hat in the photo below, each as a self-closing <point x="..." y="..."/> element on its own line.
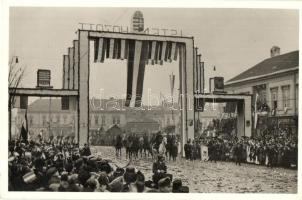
<point x="129" y="178"/>
<point x="159" y="170"/>
<point x="53" y="179"/>
<point x="178" y="188"/>
<point x="103" y="182"/>
<point x="116" y="185"/>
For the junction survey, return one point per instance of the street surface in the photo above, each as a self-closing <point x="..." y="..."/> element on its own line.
<point x="216" y="177"/>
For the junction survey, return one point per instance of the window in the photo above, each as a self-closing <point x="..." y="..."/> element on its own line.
<point x="274" y="97"/>
<point x="50" y="118"/>
<point x="113" y="120"/>
<point x="118" y="120"/>
<point x="96" y="119"/>
<point x="285" y="96"/>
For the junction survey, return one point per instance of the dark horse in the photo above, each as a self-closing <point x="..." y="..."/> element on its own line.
<point x="118" y="146"/>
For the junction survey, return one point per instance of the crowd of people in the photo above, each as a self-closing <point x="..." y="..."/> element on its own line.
<point x="60" y="165"/>
<point x="273" y="149"/>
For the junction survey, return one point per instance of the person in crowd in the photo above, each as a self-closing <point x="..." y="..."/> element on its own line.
<point x="164" y="185"/>
<point x="177" y="187"/>
<point x="159" y="170"/>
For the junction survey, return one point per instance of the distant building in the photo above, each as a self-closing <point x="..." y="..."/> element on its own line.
<point x="137" y="22"/>
<point x="47" y="116"/>
<point x="275" y="82"/>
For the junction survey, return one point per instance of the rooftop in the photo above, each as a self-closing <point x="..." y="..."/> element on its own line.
<point x="268" y="66"/>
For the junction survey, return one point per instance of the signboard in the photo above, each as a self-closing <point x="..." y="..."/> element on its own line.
<point x="217" y="84"/>
<point x="43" y="78"/>
<point x="125" y="29"/>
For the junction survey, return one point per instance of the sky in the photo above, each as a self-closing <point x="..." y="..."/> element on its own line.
<point x="232" y="40"/>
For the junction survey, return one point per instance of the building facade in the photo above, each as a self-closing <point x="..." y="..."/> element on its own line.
<point x="46" y="117"/>
<point x="274" y="85"/>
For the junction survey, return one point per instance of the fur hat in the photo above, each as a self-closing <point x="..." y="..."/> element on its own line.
<point x="116" y="185"/>
<point x="164" y="182"/>
<point x="103" y="179"/>
<point x="105" y="168"/>
<point x="177" y="183"/>
<point x="130" y="175"/>
<point x="140" y="176"/>
<point x="118" y="172"/>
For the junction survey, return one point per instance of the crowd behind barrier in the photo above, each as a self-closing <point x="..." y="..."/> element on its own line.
<point x="272" y="148"/>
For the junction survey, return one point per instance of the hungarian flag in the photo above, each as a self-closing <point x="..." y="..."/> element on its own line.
<point x="138" y="54"/>
<point x="29" y="177"/>
<point x="24" y="131"/>
<point x="256" y="112"/>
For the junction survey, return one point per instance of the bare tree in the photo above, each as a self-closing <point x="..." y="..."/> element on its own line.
<point x="14" y="79"/>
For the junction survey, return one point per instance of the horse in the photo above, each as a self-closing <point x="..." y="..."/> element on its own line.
<point x="118" y="146"/>
<point x="134" y="147"/>
<point x="128" y="144"/>
<point x="147" y="146"/>
<point x="141" y="146"/>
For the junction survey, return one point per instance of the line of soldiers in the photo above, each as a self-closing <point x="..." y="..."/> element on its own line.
<point x="138" y="145"/>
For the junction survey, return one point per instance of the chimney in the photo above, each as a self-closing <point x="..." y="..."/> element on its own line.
<point x="275" y="51"/>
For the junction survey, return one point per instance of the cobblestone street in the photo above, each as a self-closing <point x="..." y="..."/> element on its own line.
<point x="217" y="177"/>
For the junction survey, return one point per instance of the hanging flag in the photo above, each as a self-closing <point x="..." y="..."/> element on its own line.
<point x="137" y="55"/>
<point x="176" y="51"/>
<point x="117" y="49"/>
<point x="107" y="43"/>
<point x="111" y="48"/>
<point x="168" y="51"/>
<point x="123" y="46"/>
<point x="148" y="61"/>
<point x="141" y="73"/>
<point x="163" y="52"/>
<point x="126" y="49"/>
<point x="153" y="51"/>
<point x="24" y="130"/>
<point x="23" y="133"/>
<point x="172" y="80"/>
<point x="158" y="53"/>
<point x="195" y="70"/>
<point x="256" y="112"/>
<point x="130" y="61"/>
<point x="100" y="57"/>
<point x="173" y="50"/>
